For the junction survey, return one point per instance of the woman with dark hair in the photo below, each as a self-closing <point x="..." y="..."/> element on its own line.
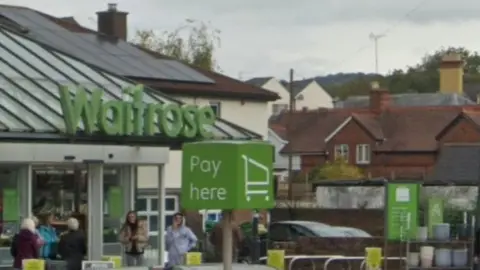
<point x="134" y="237"/>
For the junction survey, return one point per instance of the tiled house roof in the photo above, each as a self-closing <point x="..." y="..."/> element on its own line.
<point x="395" y="128"/>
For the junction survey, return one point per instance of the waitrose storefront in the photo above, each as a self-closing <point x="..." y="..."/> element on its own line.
<point x="73" y="137"/>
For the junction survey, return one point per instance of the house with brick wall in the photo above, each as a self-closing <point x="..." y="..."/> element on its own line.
<point x="395" y="142"/>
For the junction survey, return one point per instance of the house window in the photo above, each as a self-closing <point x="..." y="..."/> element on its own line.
<point x="341" y="151"/>
<point x="299" y="97"/>
<point x="363" y="154"/>
<point x="278" y="108"/>
<point x="147" y="207"/>
<point x="215" y="107"/>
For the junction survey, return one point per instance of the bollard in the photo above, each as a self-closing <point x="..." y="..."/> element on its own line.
<point x="255" y="248"/>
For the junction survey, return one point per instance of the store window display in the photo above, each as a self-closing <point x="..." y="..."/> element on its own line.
<point x="61" y="192"/>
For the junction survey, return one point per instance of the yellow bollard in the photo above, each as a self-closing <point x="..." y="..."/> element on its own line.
<point x="276" y="259"/>
<point x="117" y="260"/>
<point x="193" y="258"/>
<point x="33" y="264"/>
<point x="373" y="258"/>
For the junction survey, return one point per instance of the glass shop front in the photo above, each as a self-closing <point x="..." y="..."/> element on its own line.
<point x="98" y="193"/>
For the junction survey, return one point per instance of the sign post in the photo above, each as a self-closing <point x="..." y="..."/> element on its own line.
<point x="227" y="175"/>
<point x="402" y="210"/>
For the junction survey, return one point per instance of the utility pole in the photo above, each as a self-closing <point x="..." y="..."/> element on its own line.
<point x="291" y="108"/>
<point x="375" y="39"/>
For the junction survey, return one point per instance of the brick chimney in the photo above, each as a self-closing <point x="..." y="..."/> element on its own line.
<point x="451" y="74"/>
<point x="112" y="22"/>
<point x="379" y="98"/>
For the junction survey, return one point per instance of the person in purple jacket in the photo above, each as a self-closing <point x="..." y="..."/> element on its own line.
<point x="25" y="243"/>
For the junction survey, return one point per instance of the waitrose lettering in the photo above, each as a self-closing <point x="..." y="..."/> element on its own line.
<point x="119" y="117"/>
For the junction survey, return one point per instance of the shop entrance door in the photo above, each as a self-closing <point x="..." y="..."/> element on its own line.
<point x="61" y="191"/>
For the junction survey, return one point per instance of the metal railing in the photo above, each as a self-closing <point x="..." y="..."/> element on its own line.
<point x="343" y="258"/>
<point x="311" y="258"/>
<point x="362" y="265"/>
<point x="358" y="258"/>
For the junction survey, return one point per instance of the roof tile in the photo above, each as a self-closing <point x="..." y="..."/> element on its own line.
<point x="398" y="128"/>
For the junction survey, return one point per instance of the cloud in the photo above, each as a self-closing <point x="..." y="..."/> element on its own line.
<point x="269" y="37"/>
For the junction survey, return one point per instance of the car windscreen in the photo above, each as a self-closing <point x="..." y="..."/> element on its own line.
<point x="324" y="231"/>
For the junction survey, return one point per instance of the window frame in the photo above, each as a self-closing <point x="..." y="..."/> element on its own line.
<point x="218" y="106"/>
<point x="149" y="212"/>
<point x="279" y="108"/>
<point x="363" y="154"/>
<point x="339" y="151"/>
<point x="205" y="213"/>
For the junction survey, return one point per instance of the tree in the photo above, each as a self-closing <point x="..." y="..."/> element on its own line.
<point x="193" y="42"/>
<point x="420" y="78"/>
<point x="339" y="169"/>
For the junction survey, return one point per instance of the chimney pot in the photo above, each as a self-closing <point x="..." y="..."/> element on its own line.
<point x="112" y="7"/>
<point x="452" y="57"/>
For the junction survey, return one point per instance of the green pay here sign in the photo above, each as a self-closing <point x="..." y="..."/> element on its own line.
<point x="402" y="210"/>
<point x="227" y="175"/>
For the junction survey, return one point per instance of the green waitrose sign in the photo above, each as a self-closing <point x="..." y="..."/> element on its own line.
<point x="227" y="175"/>
<point x="402" y="210"/>
<point x="123" y="118"/>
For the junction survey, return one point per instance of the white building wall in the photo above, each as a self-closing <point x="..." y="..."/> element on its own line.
<point x="281" y="161"/>
<point x="314" y="97"/>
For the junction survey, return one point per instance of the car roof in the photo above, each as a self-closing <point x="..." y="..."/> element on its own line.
<point x="299" y="222"/>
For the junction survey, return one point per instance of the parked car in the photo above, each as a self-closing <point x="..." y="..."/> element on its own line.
<point x="354" y="232"/>
<point x="290" y="230"/>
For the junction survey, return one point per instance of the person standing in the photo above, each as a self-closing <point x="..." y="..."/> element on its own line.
<point x="25" y="244"/>
<point x="49" y="236"/>
<point x="40" y="241"/>
<point x="72" y="246"/>
<point x="134" y="237"/>
<point x="178" y="241"/>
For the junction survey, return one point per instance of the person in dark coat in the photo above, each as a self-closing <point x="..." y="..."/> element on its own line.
<point x="26" y="246"/>
<point x="72" y="246"/>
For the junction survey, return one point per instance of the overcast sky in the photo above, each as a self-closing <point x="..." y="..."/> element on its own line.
<point x="315" y="37"/>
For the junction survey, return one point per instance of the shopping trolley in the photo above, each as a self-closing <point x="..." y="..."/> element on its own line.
<point x="254" y="186"/>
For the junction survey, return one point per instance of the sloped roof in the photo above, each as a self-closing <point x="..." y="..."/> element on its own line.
<point x="410" y="100"/>
<point x="297" y="86"/>
<point x="259" y="81"/>
<point x="62" y="30"/>
<point x="457" y="164"/>
<point x="395" y="128"/>
<point x="31" y="74"/>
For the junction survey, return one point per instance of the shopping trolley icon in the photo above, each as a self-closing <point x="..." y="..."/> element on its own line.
<point x="254" y="186"/>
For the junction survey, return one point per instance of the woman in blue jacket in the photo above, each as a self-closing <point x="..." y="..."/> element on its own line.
<point x="49" y="236"/>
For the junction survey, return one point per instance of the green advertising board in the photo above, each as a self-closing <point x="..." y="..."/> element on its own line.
<point x="435" y="213"/>
<point x="402" y="210"/>
<point x="227" y="175"/>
